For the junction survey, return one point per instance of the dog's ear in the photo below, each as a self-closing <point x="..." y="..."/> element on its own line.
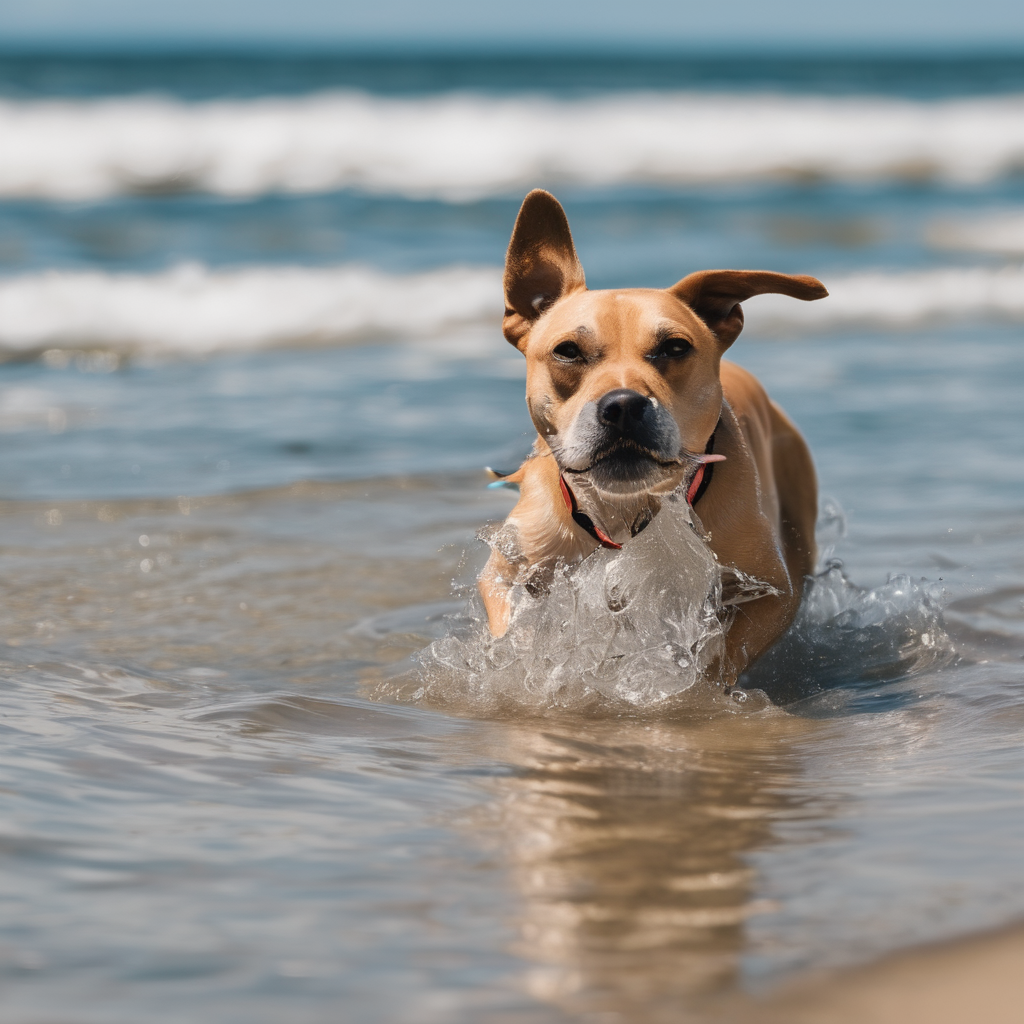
<point x="541" y="265"/>
<point x="715" y="295"/>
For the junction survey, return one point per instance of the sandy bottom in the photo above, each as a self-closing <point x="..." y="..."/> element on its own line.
<point x="976" y="979"/>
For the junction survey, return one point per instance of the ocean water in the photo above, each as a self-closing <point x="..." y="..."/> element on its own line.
<point x="252" y="370"/>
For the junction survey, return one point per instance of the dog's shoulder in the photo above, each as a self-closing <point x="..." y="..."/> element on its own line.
<point x="542" y="522"/>
<point x="745" y="394"/>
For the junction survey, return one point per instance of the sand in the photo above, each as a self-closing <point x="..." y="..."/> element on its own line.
<point x="980" y="979"/>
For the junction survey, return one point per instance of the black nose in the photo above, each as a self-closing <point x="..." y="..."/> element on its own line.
<point x="622" y="409"/>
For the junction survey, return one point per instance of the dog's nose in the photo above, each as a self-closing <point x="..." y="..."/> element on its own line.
<point x="622" y="409"/>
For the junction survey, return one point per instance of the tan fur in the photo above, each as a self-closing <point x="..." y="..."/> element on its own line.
<point x="760" y="509"/>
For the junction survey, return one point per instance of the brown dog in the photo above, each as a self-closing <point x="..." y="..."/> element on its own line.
<point x="631" y="400"/>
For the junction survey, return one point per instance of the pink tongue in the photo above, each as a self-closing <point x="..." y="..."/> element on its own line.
<point x="709" y="458"/>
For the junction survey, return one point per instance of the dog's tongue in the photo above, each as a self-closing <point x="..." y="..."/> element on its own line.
<point x="705" y="459"/>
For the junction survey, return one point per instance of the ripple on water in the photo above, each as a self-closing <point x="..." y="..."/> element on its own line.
<point x="301" y="845"/>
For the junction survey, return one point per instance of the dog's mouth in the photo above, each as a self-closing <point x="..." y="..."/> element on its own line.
<point x="626" y="468"/>
<point x="624" y="452"/>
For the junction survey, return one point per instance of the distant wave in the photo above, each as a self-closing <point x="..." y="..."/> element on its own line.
<point x="464" y="146"/>
<point x="1001" y="233"/>
<point x="898" y="299"/>
<point x="193" y="310"/>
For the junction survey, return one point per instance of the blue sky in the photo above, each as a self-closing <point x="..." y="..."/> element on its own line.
<point x="521" y="23"/>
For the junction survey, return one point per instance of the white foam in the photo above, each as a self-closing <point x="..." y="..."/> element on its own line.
<point x="460" y="146"/>
<point x="898" y="299"/>
<point x="193" y="310"/>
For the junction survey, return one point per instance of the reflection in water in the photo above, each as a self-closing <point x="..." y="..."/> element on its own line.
<point x="629" y="843"/>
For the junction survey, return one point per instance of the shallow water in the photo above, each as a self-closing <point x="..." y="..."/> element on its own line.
<point x="218" y="553"/>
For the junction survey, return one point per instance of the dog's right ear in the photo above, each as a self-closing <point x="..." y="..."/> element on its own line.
<point x="541" y="265"/>
<point x="715" y="295"/>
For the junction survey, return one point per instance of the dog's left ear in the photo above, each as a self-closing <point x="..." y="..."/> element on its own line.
<point x="541" y="265"/>
<point x="715" y="295"/>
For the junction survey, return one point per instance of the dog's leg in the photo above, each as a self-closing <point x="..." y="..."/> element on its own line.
<point x="495" y="585"/>
<point x="757" y="626"/>
<point x="785" y="557"/>
<point x="538" y="533"/>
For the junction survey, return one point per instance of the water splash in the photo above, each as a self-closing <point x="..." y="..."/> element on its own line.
<point x="642" y="630"/>
<point x="847" y="637"/>
<point x="627" y="631"/>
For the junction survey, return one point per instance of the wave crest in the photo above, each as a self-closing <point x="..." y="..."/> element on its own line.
<point x="898" y="299"/>
<point x="465" y="146"/>
<point x="193" y="310"/>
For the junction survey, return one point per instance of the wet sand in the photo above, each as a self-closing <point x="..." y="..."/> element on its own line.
<point x="976" y="979"/>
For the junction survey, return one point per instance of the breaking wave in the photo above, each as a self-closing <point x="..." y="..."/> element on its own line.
<point x="193" y="310"/>
<point x="465" y="146"/>
<point x="196" y="310"/>
<point x="898" y="299"/>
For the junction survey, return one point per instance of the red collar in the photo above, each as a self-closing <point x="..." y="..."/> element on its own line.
<point x="702" y="478"/>
<point x="582" y="519"/>
<point x="699" y="484"/>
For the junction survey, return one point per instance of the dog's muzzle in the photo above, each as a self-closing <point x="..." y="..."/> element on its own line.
<point x="626" y="442"/>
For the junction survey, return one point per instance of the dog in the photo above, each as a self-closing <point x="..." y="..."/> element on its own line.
<point x="632" y="401"/>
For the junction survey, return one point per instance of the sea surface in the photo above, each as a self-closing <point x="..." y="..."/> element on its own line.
<point x="252" y="370"/>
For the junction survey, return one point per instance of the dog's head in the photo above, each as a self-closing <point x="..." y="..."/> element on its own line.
<point x="622" y="384"/>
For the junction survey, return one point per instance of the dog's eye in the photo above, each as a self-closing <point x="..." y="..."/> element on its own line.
<point x="568" y="352"/>
<point x="672" y="348"/>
